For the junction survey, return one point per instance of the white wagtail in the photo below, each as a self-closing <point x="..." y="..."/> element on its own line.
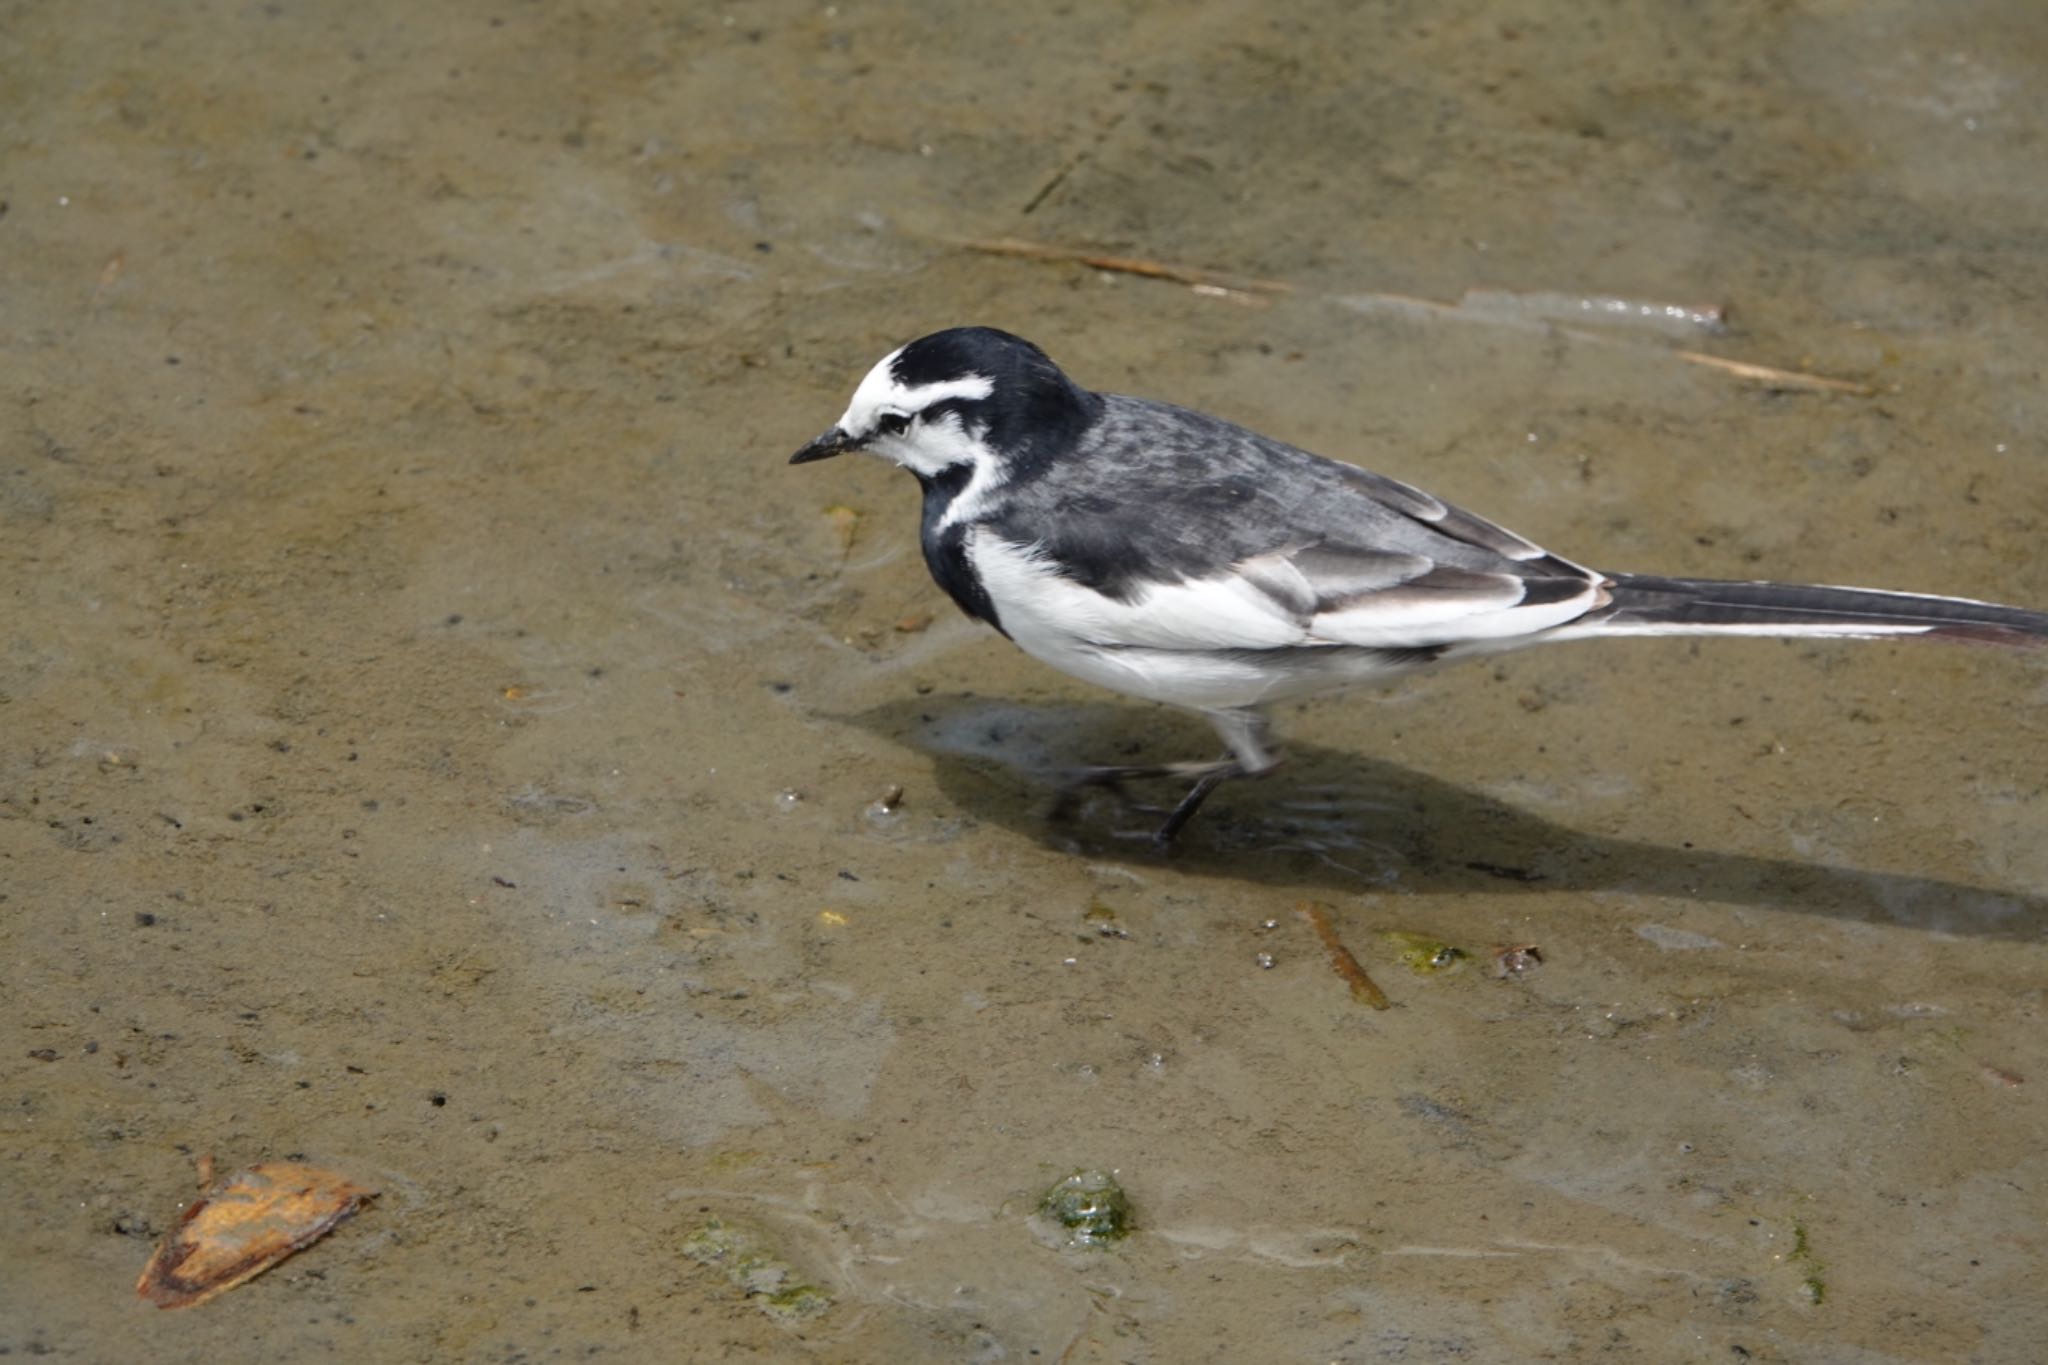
<point x="1174" y="556"/>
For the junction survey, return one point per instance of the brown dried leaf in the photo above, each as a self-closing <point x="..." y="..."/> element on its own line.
<point x="243" y="1226"/>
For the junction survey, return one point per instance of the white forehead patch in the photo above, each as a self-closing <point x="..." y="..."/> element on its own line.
<point x="880" y="393"/>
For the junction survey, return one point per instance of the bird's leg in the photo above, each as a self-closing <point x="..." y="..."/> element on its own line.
<point x="1217" y="775"/>
<point x="1113" y="777"/>
<point x="1245" y="732"/>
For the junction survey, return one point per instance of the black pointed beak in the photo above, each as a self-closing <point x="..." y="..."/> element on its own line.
<point x="833" y="442"/>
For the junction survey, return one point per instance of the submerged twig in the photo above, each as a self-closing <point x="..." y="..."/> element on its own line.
<point x="1522" y="311"/>
<point x="1776" y="378"/>
<point x="1204" y="281"/>
<point x="1363" y="988"/>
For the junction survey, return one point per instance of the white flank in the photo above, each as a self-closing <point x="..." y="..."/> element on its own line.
<point x="1175" y="642"/>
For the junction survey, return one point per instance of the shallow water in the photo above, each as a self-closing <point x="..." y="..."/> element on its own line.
<point x="438" y="736"/>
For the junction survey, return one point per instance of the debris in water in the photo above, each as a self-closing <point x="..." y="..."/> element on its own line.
<point x="243" y="1226"/>
<point x="1103" y="919"/>
<point x="768" y="1281"/>
<point x="1516" y="960"/>
<point x="1090" y="1207"/>
<point x="1423" y="954"/>
<point x="1546" y="312"/>
<point x="1209" y="282"/>
<point x="1777" y="380"/>
<point x="845" y="525"/>
<point x="1363" y="989"/>
<point x="1671" y="319"/>
<point x="1812" y="1280"/>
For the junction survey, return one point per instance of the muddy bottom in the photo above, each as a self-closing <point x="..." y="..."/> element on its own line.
<point x="440" y="740"/>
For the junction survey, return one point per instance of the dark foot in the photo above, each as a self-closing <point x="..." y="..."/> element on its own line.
<point x="1164" y="836"/>
<point x="1207" y="777"/>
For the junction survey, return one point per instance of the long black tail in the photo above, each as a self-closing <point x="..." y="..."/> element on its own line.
<point x="1645" y="604"/>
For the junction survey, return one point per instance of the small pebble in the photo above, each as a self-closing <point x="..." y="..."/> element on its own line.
<point x="1516" y="960"/>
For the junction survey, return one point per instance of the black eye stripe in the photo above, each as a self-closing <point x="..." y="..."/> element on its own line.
<point x="892" y="423"/>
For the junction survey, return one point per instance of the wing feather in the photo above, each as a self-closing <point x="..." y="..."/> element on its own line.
<point x="1170" y="530"/>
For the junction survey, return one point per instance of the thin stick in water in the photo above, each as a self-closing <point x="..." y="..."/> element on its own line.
<point x="1363" y="989"/>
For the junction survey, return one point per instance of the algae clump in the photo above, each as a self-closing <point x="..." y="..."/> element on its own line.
<point x="1090" y="1207"/>
<point x="767" y="1280"/>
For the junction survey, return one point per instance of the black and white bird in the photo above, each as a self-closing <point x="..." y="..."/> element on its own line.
<point x="1174" y="556"/>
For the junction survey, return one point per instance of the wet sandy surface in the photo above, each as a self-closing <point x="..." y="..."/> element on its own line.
<point x="437" y="734"/>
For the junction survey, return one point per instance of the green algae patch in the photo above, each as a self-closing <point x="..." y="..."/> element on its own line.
<point x="1802" y="1259"/>
<point x="767" y="1280"/>
<point x="1422" y="954"/>
<point x="1086" y="1209"/>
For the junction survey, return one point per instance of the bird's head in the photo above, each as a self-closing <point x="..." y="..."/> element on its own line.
<point x="963" y="399"/>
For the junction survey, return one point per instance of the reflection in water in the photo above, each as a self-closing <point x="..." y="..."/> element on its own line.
<point x="1383" y="826"/>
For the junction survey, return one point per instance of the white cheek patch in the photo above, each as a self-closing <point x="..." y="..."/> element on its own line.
<point x="941" y="443"/>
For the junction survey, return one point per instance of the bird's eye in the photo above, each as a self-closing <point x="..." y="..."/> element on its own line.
<point x="892" y="423"/>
